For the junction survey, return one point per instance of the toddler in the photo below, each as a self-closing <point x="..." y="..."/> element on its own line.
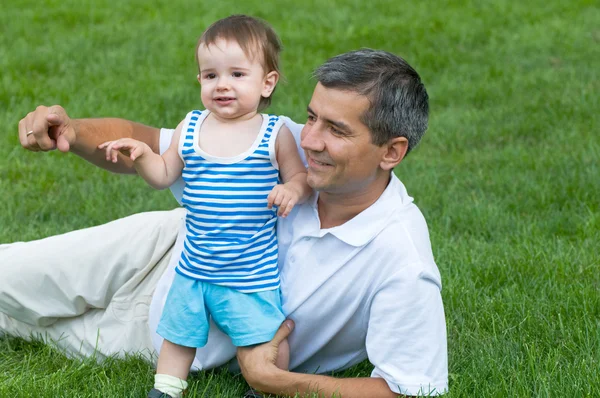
<point x="241" y="169"/>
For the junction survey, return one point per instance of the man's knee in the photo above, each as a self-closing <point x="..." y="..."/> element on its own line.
<point x="21" y="278"/>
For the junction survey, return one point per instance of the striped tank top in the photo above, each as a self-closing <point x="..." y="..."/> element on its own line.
<point x="230" y="234"/>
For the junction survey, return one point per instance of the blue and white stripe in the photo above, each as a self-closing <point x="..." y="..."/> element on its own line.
<point x="230" y="239"/>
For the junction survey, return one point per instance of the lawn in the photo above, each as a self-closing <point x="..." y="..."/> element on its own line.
<point x="507" y="176"/>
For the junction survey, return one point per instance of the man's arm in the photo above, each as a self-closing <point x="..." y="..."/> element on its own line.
<point x="49" y="128"/>
<point x="406" y="343"/>
<point x="160" y="171"/>
<point x="258" y="367"/>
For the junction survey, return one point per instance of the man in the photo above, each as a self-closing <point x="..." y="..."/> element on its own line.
<point x="358" y="276"/>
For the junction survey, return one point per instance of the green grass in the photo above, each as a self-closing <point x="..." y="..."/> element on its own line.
<point x="507" y="176"/>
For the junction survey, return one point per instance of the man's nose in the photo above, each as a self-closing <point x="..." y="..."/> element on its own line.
<point x="312" y="138"/>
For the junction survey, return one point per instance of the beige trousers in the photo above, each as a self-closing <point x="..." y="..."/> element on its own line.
<point x="88" y="291"/>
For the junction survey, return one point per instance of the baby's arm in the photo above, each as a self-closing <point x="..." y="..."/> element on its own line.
<point x="158" y="171"/>
<point x="294" y="189"/>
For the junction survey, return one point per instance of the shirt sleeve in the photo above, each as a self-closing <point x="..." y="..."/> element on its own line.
<point x="296" y="130"/>
<point x="406" y="337"/>
<point x="164" y="142"/>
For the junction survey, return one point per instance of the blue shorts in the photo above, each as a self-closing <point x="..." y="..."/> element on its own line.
<point x="248" y="318"/>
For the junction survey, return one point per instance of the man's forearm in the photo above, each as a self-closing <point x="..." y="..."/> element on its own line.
<point x="290" y="383"/>
<point x="92" y="132"/>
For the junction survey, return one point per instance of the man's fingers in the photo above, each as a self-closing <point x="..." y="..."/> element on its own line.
<point x="62" y="143"/>
<point x="56" y="116"/>
<point x="23" y="132"/>
<point x="283" y="332"/>
<point x="41" y="132"/>
<point x="60" y="128"/>
<point x="46" y="128"/>
<point x="26" y="139"/>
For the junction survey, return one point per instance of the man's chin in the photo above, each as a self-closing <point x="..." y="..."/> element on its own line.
<point x="317" y="184"/>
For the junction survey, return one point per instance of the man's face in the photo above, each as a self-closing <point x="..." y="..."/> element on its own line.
<point x="341" y="157"/>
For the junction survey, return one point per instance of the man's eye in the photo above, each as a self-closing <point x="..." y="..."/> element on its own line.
<point x="335" y="131"/>
<point x="311" y="118"/>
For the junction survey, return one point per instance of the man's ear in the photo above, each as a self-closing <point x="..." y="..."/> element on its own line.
<point x="394" y="152"/>
<point x="269" y="83"/>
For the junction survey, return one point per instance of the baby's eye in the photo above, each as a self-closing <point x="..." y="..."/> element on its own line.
<point x="210" y="76"/>
<point x="237" y="74"/>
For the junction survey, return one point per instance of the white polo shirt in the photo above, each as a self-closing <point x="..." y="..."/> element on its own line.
<point x="368" y="289"/>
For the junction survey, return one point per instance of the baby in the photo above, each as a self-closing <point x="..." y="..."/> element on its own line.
<point x="241" y="169"/>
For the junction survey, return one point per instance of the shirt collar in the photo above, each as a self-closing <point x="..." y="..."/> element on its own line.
<point x="361" y="229"/>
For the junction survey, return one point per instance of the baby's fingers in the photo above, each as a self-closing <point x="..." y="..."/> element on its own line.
<point x="105" y="144"/>
<point x="286" y="206"/>
<point x="289" y="208"/>
<point x="110" y="152"/>
<point x="272" y="198"/>
<point x="114" y="155"/>
<point x="136" y="152"/>
<point x="115" y="148"/>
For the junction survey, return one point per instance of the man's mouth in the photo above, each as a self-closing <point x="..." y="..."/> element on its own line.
<point x="317" y="162"/>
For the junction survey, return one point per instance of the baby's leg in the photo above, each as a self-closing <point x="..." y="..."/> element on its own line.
<point x="174" y="364"/>
<point x="184" y="320"/>
<point x="175" y="360"/>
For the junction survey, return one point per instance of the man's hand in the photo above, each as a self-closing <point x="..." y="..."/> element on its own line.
<point x="258" y="368"/>
<point x="258" y="362"/>
<point x="47" y="128"/>
<point x="285" y="197"/>
<point x="129" y="147"/>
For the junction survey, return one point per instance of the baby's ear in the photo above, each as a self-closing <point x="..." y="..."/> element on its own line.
<point x="269" y="83"/>
<point x="198" y="77"/>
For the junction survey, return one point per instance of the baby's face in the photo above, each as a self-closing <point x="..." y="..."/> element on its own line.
<point x="232" y="84"/>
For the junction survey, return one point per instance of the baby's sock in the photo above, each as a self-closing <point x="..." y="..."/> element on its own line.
<point x="171" y="385"/>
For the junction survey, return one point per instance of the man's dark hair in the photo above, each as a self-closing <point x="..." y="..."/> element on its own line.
<point x="399" y="102"/>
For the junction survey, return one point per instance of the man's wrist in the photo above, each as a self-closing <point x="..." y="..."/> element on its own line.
<point x="274" y="381"/>
<point x="76" y="124"/>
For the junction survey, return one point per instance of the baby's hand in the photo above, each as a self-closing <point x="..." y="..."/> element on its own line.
<point x="283" y="196"/>
<point x="127" y="146"/>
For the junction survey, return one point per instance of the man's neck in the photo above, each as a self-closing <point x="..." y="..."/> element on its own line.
<point x="338" y="208"/>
